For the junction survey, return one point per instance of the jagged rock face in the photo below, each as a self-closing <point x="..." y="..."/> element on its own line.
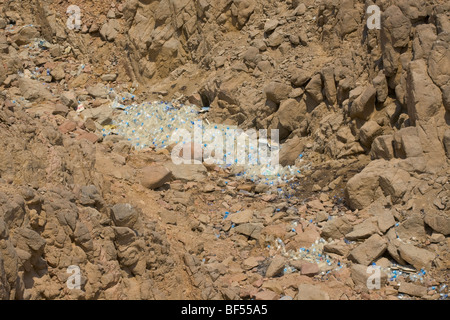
<point x="364" y="112"/>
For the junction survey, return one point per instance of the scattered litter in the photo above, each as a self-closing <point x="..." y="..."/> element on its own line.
<point x="153" y="124"/>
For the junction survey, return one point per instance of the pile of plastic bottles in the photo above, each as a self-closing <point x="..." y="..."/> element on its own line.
<point x="157" y="124"/>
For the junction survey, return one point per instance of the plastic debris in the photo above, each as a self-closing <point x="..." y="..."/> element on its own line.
<point x="152" y="124"/>
<point x="80" y="108"/>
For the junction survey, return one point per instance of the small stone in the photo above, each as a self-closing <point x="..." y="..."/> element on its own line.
<point x="68" y="126"/>
<point x="385" y="221"/>
<point x="412" y="289"/>
<point x="69" y="99"/>
<point x="271" y="25"/>
<point x="153" y="177"/>
<point x="417" y="257"/>
<point x="109" y="77"/>
<point x="339" y="248"/>
<point x="60" y="109"/>
<point x="336" y="228"/>
<point x="124" y="215"/>
<point x="321" y="216"/>
<point x="369" y="250"/>
<point x="438" y="221"/>
<point x="437" y="237"/>
<point x="251" y="262"/>
<point x="276" y="266"/>
<point x="266" y="295"/>
<point x="111" y="14"/>
<point x="33" y="90"/>
<point x="311" y="292"/>
<point x="309" y="269"/>
<point x="241" y="217"/>
<point x="276" y="91"/>
<point x="90" y="136"/>
<point x="362" y="231"/>
<point x="98" y="91"/>
<point x="252" y="230"/>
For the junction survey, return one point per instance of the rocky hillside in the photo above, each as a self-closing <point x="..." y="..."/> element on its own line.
<point x="365" y="114"/>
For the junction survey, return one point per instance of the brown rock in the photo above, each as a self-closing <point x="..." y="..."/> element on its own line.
<point x="290" y="114"/>
<point x="25" y="35"/>
<point x="58" y="73"/>
<point x="309" y="269"/>
<point x="244" y="216"/>
<point x="271" y="25"/>
<point x="252" y="262"/>
<point x="385" y="221"/>
<point x="89" y="136"/>
<point x="245" y="9"/>
<point x="418" y="258"/>
<point x="412" y="227"/>
<point x="369" y="131"/>
<point x="423" y="41"/>
<point x="314" y="89"/>
<point x="252" y="230"/>
<point x="275" y="39"/>
<point x="60" y="109"/>
<point x="98" y="91"/>
<point x="396" y="27"/>
<point x="423" y="98"/>
<point x="381" y="86"/>
<point x="276" y="91"/>
<point x="266" y="295"/>
<point x="446" y="142"/>
<point x="438" y="221"/>
<point x="329" y="84"/>
<point x="362" y="231"/>
<point x="273" y="231"/>
<point x="153" y="177"/>
<point x="189" y="172"/>
<point x="304" y="239"/>
<point x="124" y="215"/>
<point x="407" y="143"/>
<point x="369" y="250"/>
<point x="68" y="126"/>
<point x="364" y="105"/>
<point x="413" y="9"/>
<point x="33" y="90"/>
<point x="394" y="34"/>
<point x="382" y="147"/>
<point x="394" y="182"/>
<point x="311" y="292"/>
<point x="348" y="20"/>
<point x="439" y="60"/>
<point x="300" y="76"/>
<point x="290" y="151"/>
<point x="110" y="30"/>
<point x="276" y="267"/>
<point x="339" y="248"/>
<point x="412" y="289"/>
<point x="168" y="217"/>
<point x="336" y="228"/>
